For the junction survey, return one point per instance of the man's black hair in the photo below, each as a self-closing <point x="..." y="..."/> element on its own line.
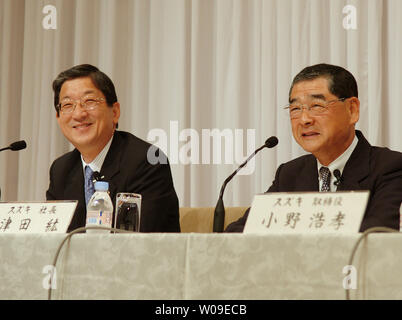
<point x="341" y="82"/>
<point x="100" y="80"/>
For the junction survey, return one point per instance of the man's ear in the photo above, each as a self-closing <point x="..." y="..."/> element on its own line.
<point x="116" y="112"/>
<point x="354" y="109"/>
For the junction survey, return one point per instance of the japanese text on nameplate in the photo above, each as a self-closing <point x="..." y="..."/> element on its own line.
<point x="308" y="212"/>
<point x="36" y="217"/>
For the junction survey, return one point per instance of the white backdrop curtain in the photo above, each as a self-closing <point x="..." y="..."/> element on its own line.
<point x="194" y="65"/>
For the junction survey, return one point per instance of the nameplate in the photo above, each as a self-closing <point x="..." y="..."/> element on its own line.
<point x="36" y="217"/>
<point x="307" y="212"/>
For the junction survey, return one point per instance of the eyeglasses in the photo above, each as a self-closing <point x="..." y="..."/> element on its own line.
<point x="67" y="106"/>
<point x="314" y="108"/>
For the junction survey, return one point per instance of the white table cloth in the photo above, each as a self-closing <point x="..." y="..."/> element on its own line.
<point x="199" y="266"/>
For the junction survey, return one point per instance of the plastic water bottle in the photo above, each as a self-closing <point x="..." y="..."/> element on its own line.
<point x="100" y="208"/>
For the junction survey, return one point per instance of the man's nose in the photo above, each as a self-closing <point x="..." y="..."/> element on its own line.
<point x="305" y="117"/>
<point x="79" y="111"/>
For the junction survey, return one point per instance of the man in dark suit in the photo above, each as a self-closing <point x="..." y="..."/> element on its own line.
<point x="87" y="111"/>
<point x="323" y="109"/>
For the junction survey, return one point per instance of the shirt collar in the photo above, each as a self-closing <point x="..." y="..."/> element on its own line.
<point x="340" y="162"/>
<point x="96" y="164"/>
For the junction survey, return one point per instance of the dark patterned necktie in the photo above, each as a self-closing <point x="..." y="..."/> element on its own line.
<point x="89" y="185"/>
<point x="325" y="175"/>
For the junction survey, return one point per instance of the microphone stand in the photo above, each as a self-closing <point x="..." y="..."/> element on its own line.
<point x="2" y="149"/>
<point x="219" y="213"/>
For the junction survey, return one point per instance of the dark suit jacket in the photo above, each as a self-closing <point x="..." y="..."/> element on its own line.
<point x="368" y="168"/>
<point x="127" y="169"/>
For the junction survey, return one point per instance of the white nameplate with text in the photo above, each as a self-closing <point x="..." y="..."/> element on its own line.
<point x="36" y="217"/>
<point x="307" y="212"/>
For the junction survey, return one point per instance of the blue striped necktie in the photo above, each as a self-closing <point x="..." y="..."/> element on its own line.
<point x="89" y="185"/>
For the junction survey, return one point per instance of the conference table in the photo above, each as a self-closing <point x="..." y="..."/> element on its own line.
<point x="193" y="266"/>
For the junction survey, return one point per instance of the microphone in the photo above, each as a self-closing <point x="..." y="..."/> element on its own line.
<point x="219" y="213"/>
<point x="337" y="175"/>
<point x="96" y="177"/>
<point x="15" y="146"/>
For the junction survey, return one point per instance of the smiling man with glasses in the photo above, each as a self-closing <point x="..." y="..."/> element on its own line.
<point x="87" y="112"/>
<point x="323" y="110"/>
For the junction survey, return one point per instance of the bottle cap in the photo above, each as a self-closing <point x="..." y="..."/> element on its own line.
<point x="101" y="186"/>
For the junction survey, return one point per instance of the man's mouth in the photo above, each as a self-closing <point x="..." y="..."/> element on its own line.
<point x="82" y="125"/>
<point x="310" y="134"/>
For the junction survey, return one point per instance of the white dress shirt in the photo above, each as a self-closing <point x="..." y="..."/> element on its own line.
<point x="97" y="163"/>
<point x="339" y="163"/>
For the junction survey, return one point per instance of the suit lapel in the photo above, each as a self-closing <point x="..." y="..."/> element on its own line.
<point x="111" y="165"/>
<point x="357" y="168"/>
<point x="307" y="180"/>
<point x="74" y="188"/>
